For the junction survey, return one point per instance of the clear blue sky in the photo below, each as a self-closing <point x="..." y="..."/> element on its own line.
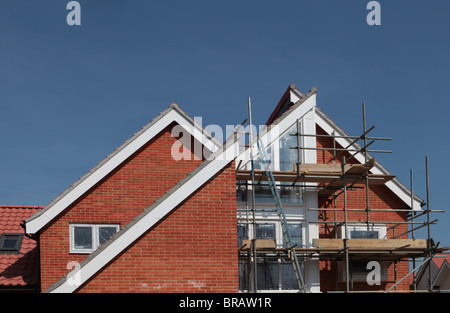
<point x="69" y="95"/>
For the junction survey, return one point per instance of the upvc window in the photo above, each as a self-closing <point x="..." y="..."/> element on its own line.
<point x="361" y="232"/>
<point x="273" y="230"/>
<point x="85" y="238"/>
<point x="364" y="234"/>
<point x="265" y="231"/>
<point x="295" y="232"/>
<point x="358" y="268"/>
<point x="262" y="190"/>
<point x="282" y="158"/>
<point x="288" y="156"/>
<point x="242" y="234"/>
<point x="274" y="272"/>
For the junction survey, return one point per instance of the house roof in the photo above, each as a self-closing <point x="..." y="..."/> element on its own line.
<point x="173" y="114"/>
<point x="441" y="258"/>
<point x="440" y="266"/>
<point x="221" y="156"/>
<point x="283" y="122"/>
<point x="329" y="126"/>
<point x="443" y="263"/>
<point x="290" y="96"/>
<point x="395" y="185"/>
<point x="18" y="269"/>
<point x="160" y="208"/>
<point x="149" y="217"/>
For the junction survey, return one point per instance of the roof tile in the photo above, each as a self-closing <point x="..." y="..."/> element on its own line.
<point x="18" y="268"/>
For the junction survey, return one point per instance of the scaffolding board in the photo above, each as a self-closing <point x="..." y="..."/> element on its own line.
<point x="358" y="249"/>
<point x="335" y="180"/>
<point x="330" y="174"/>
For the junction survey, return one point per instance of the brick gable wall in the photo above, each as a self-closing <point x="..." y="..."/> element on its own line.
<point x="380" y="197"/>
<point x="121" y="196"/>
<point x="193" y="249"/>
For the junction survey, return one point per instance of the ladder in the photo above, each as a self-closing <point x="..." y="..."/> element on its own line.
<point x="265" y="161"/>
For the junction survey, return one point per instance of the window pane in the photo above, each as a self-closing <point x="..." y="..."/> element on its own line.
<point x="363" y="234"/>
<point x="104" y="233"/>
<point x="295" y="231"/>
<point x="263" y="193"/>
<point x="288" y="279"/>
<point x="242" y="234"/>
<point x="262" y="190"/>
<point x="83" y="237"/>
<point x="9" y="243"/>
<point x="288" y="156"/>
<point x="290" y="195"/>
<point x="241" y="191"/>
<point x="265" y="231"/>
<point x="267" y="271"/>
<point x="259" y="164"/>
<point x="243" y="274"/>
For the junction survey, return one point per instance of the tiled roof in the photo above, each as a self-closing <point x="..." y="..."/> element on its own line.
<point x="18" y="268"/>
<point x="440" y="258"/>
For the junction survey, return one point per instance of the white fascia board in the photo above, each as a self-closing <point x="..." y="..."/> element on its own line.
<point x="294" y="96"/>
<point x="274" y="131"/>
<point x="34" y="225"/>
<point x="198" y="132"/>
<point x="131" y="234"/>
<point x="401" y="191"/>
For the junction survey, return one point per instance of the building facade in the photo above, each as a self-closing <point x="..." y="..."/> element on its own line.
<point x="159" y="215"/>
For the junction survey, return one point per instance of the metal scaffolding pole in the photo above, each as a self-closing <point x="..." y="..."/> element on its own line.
<point x="255" y="280"/>
<point x="427" y="260"/>
<point x="366" y="175"/>
<point x="347" y="276"/>
<point x="412" y="228"/>
<point x="430" y="284"/>
<point x="348" y="181"/>
<point x="298" y="147"/>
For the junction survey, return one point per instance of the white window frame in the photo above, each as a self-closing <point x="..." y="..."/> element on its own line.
<point x="278" y="241"/>
<point x="382" y="233"/>
<point x="381" y="229"/>
<point x="274" y="155"/>
<point x="278" y="229"/>
<point x="276" y="146"/>
<point x="95" y="236"/>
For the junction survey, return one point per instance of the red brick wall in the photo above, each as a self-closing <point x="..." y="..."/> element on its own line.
<point x="380" y="197"/>
<point x="180" y="253"/>
<point x="191" y="250"/>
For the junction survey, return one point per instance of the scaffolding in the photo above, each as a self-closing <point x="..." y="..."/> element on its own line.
<point x="336" y="179"/>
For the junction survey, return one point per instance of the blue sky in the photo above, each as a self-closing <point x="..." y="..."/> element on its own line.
<point x="69" y="95"/>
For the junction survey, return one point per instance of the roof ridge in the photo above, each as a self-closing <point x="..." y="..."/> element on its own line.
<point x="172" y="107"/>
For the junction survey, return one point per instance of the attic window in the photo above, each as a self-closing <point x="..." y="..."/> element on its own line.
<point x="10" y="242"/>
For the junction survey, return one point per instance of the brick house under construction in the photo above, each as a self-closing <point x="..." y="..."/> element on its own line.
<point x="143" y="220"/>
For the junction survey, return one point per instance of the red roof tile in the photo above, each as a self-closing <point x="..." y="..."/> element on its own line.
<point x="440" y="258"/>
<point x="19" y="268"/>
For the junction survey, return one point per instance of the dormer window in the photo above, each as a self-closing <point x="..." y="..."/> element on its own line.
<point x="10" y="242"/>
